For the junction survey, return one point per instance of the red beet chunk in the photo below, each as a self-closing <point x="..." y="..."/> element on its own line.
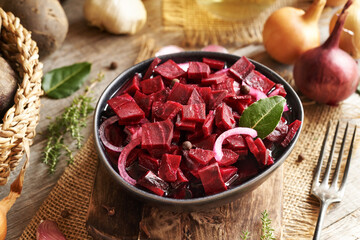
<point x="241" y="68"/>
<point x="176" y="136"/>
<point x="166" y="110"/>
<point x="169" y="70"/>
<point x="198" y="70"/>
<point x="151" y="68"/>
<point x="180" y="93"/>
<point x="279" y="132"/>
<point x="214" y="64"/>
<point x="279" y="90"/>
<point x="230" y="157"/>
<point x="133" y="155"/>
<point x="238" y="103"/>
<point x="153" y="183"/>
<point x="197" y="134"/>
<point x="157" y="135"/>
<point x="152" y="85"/>
<point x="216" y="98"/>
<point x="224" y="119"/>
<point x="206" y="143"/>
<point x="148" y="162"/>
<point x="211" y="179"/>
<point x="293" y="127"/>
<point x="227" y="85"/>
<point x="180" y="180"/>
<point x="263" y="154"/>
<point x="169" y="166"/>
<point x="258" y="81"/>
<point x="208" y="125"/>
<point x="194" y="113"/>
<point x="235" y="142"/>
<point x="228" y="172"/>
<point x="201" y="156"/>
<point x="126" y="108"/>
<point x="247" y="169"/>
<point x="195" y="98"/>
<point x="160" y="96"/>
<point x="133" y="85"/>
<point x="252" y="146"/>
<point x="191" y="164"/>
<point x="144" y="102"/>
<point x="214" y="79"/>
<point x="185" y="125"/>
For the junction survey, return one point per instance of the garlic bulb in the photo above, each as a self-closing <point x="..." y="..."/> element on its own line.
<point x="116" y="16"/>
<point x="350" y="36"/>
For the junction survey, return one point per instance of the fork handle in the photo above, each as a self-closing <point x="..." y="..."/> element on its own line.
<point x="323" y="207"/>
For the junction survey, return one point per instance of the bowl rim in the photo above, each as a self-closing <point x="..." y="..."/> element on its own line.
<point x="123" y="77"/>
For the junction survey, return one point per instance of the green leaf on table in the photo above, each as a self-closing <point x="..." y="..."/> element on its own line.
<point x="263" y="115"/>
<point x="64" y="81"/>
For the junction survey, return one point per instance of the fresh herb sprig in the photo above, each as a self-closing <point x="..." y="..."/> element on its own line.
<point x="267" y="231"/>
<point x="71" y="122"/>
<point x="245" y="235"/>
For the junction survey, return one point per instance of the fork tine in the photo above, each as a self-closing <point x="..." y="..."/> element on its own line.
<point x="338" y="164"/>
<point x="329" y="163"/>
<point x="347" y="167"/>
<point x="321" y="157"/>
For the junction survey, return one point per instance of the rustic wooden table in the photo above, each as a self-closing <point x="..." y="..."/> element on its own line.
<point x="84" y="43"/>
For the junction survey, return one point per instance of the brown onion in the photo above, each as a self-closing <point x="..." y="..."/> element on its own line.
<point x="327" y="74"/>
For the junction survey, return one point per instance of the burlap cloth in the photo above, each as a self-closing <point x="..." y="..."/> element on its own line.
<point x="202" y="28"/>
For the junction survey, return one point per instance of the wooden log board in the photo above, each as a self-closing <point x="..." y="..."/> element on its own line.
<point x="114" y="214"/>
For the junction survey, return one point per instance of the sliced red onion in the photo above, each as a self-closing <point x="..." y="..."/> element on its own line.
<point x="235" y="131"/>
<point x="102" y="136"/>
<point x="215" y="48"/>
<point x="122" y="160"/>
<point x="168" y="49"/>
<point x="257" y="94"/>
<point x="184" y="66"/>
<point x="48" y="230"/>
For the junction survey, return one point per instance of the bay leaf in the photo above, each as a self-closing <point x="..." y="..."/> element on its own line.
<point x="263" y="115"/>
<point x="64" y="81"/>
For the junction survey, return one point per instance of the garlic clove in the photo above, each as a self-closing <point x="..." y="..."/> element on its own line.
<point x="116" y="16"/>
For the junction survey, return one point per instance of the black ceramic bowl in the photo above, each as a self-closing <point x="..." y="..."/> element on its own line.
<point x="219" y="199"/>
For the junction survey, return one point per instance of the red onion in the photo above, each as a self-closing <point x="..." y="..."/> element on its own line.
<point x="327" y="74"/>
<point x="48" y="230"/>
<point x="122" y="160"/>
<point x="103" y="136"/>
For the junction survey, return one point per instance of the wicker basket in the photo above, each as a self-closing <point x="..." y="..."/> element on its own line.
<point x="20" y="121"/>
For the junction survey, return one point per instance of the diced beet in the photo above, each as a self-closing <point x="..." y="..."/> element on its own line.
<point x="208" y="125"/>
<point x="238" y="103"/>
<point x="252" y="146"/>
<point x="235" y="142"/>
<point x="157" y="135"/>
<point x="241" y="68"/>
<point x="279" y="132"/>
<point x="279" y="90"/>
<point x="201" y="156"/>
<point x="126" y="108"/>
<point x="242" y="152"/>
<point x="206" y="143"/>
<point x="169" y="166"/>
<point x="230" y="157"/>
<point x="293" y="127"/>
<point x="228" y="172"/>
<point x="214" y="64"/>
<point x="182" y="193"/>
<point x="152" y="85"/>
<point x="236" y="116"/>
<point x="180" y="93"/>
<point x="144" y="102"/>
<point x="176" y="136"/>
<point x="180" y="180"/>
<point x="258" y="81"/>
<point x="247" y="169"/>
<point x="270" y="161"/>
<point x="214" y="79"/>
<point x="198" y="70"/>
<point x="195" y="98"/>
<point x="216" y="98"/>
<point x="197" y="134"/>
<point x="192" y="165"/>
<point x="153" y="183"/>
<point x="160" y="96"/>
<point x="151" y="68"/>
<point x="148" y="162"/>
<point x="226" y="85"/>
<point x="133" y="85"/>
<point x="263" y="154"/>
<point x="205" y="93"/>
<point x="211" y="179"/>
<point x="167" y="110"/>
<point x="185" y="125"/>
<point x="224" y="119"/>
<point x="194" y="113"/>
<point x="133" y="155"/>
<point x="170" y="70"/>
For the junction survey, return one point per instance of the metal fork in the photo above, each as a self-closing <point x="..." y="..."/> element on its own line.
<point x="325" y="193"/>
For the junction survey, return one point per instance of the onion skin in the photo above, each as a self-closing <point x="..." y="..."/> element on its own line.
<point x="350" y="36"/>
<point x="289" y="32"/>
<point x="327" y="74"/>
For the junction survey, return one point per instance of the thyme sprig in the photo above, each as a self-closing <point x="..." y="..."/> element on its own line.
<point x="245" y="235"/>
<point x="70" y="122"/>
<point x="267" y="231"/>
